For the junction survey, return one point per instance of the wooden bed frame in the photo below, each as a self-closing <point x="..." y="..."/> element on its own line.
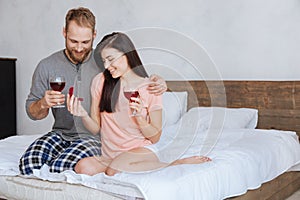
<point x="278" y="104"/>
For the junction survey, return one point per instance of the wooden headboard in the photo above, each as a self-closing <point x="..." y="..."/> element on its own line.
<point x="278" y="102"/>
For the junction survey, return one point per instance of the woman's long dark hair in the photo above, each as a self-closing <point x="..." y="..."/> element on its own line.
<point x="111" y="87"/>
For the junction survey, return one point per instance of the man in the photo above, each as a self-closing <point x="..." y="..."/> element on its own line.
<point x="69" y="141"/>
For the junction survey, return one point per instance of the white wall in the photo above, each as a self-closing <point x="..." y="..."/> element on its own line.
<point x="241" y="39"/>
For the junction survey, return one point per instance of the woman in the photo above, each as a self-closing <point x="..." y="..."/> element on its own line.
<point x="127" y="126"/>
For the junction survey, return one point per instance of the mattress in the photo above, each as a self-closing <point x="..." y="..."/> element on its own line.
<point x="242" y="159"/>
<point x="15" y="187"/>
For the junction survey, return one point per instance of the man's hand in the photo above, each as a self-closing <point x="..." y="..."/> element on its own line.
<point x="52" y="98"/>
<point x="158" y="85"/>
<point x="40" y="108"/>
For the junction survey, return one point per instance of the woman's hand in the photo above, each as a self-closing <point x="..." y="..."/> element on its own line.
<point x="136" y="104"/>
<point x="91" y="123"/>
<point x="158" y="85"/>
<point x="75" y="107"/>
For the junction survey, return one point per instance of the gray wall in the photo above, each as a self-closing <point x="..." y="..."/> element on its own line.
<point x="195" y="39"/>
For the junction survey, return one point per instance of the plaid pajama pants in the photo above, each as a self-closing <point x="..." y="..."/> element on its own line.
<point x="57" y="153"/>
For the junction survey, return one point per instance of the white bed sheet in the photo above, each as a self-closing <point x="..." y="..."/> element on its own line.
<point x="262" y="154"/>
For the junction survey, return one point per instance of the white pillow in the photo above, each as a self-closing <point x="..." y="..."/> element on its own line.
<point x="174" y="106"/>
<point x="227" y="118"/>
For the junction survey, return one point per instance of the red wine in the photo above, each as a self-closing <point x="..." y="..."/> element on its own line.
<point x="129" y="94"/>
<point x="57" y="86"/>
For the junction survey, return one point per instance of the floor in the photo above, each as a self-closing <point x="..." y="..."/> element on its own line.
<point x="295" y="196"/>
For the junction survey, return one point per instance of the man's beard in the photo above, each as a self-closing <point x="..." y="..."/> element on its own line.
<point x="77" y="59"/>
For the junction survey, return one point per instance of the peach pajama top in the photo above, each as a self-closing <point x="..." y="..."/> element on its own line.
<point x="119" y="131"/>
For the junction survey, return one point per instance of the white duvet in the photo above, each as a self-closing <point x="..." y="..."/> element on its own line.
<point x="242" y="159"/>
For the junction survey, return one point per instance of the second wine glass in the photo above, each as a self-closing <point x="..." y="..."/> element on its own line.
<point x="129" y="93"/>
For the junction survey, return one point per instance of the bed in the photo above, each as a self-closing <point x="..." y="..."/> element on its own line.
<point x="257" y="118"/>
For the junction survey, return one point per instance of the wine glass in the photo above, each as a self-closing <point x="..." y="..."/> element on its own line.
<point x="129" y="93"/>
<point x="57" y="83"/>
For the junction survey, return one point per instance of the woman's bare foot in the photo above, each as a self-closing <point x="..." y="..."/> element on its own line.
<point x="192" y="160"/>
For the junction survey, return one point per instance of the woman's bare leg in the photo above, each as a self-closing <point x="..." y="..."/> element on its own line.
<point x="143" y="159"/>
<point x="135" y="160"/>
<point x="92" y="165"/>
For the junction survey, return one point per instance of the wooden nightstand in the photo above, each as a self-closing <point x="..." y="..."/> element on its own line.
<point x="7" y="97"/>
